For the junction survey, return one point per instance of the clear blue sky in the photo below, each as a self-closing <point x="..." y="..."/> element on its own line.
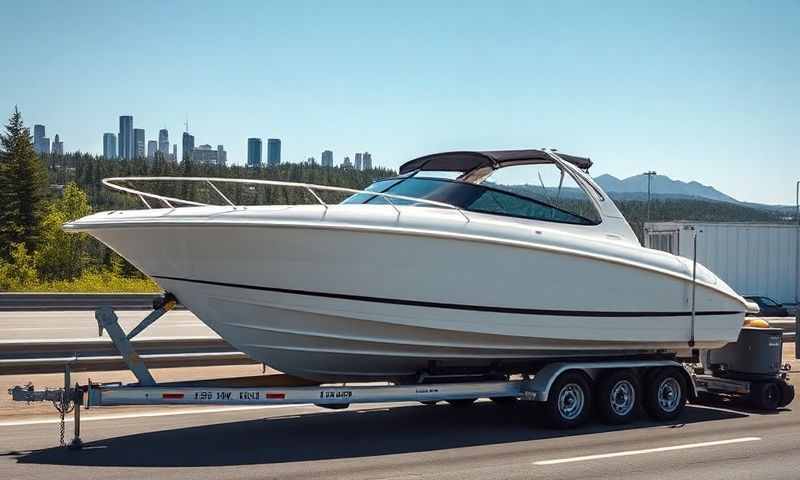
<point x="707" y="90"/>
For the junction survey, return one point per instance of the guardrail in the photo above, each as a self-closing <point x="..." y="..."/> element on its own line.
<point x="76" y="301"/>
<point x="18" y="357"/>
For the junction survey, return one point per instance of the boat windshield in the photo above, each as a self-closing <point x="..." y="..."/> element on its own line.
<point x="494" y="197"/>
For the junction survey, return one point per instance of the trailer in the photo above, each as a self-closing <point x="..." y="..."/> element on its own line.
<point x="561" y="394"/>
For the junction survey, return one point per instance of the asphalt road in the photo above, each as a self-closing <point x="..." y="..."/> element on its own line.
<point x="407" y="441"/>
<point x="81" y="324"/>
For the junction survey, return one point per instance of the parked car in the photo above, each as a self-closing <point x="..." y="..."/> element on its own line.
<point x="768" y="306"/>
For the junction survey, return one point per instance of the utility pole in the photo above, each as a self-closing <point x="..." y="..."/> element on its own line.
<point x="650" y="175"/>
<point x="797" y="245"/>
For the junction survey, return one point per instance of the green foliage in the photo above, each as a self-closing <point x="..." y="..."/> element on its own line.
<point x="20" y="272"/>
<point x="23" y="187"/>
<point x="64" y="255"/>
<point x="667" y="210"/>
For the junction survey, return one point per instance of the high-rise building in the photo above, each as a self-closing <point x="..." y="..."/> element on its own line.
<point x="358" y="161"/>
<point x="174" y="152"/>
<point x="58" y="146"/>
<point x="327" y="158"/>
<point x="311" y="161"/>
<point x="125" y="137"/>
<point x="109" y="146"/>
<point x="138" y="142"/>
<point x="188" y="145"/>
<point x="222" y="156"/>
<point x="152" y="148"/>
<point x="163" y="142"/>
<point x="347" y="163"/>
<point x="367" y="159"/>
<point x="44" y="145"/>
<point x="273" y="151"/>
<point x="206" y="154"/>
<point x="38" y="135"/>
<point x="254" y="152"/>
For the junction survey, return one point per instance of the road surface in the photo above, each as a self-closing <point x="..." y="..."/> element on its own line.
<point x="405" y="441"/>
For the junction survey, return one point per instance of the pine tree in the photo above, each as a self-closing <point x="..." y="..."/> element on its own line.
<point x="23" y="187"/>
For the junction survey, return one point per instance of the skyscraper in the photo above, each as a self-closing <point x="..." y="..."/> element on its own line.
<point x="44" y="145"/>
<point x="367" y="161"/>
<point x="109" y="146"/>
<point x="222" y="156"/>
<point x="347" y="163"/>
<point x="138" y="142"/>
<point x="174" y="152"/>
<point x="358" y="161"/>
<point x="125" y="137"/>
<point x="188" y="145"/>
<point x="254" y="152"/>
<point x="163" y="142"/>
<point x="58" y="146"/>
<point x="152" y="147"/>
<point x="327" y="158"/>
<point x="38" y="135"/>
<point x="273" y="151"/>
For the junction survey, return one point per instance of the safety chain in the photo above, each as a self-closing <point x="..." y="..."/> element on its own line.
<point x="64" y="406"/>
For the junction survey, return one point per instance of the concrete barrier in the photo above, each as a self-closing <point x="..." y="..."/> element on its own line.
<point x="75" y="301"/>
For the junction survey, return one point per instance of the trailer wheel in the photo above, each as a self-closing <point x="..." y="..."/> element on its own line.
<point x="568" y="402"/>
<point x="665" y="393"/>
<point x="787" y="393"/>
<point x="765" y="395"/>
<point x="618" y="397"/>
<point x="462" y="403"/>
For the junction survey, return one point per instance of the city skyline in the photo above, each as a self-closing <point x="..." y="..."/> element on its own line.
<point x="676" y="88"/>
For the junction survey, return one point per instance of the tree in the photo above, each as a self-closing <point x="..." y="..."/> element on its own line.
<point x="23" y="187"/>
<point x="61" y="255"/>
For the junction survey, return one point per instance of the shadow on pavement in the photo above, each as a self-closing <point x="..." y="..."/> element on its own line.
<point x="347" y="434"/>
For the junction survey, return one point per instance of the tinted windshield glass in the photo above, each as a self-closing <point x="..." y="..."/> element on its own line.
<point x="546" y="183"/>
<point x="476" y="198"/>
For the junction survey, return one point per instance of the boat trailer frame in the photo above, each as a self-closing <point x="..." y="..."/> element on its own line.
<point x="147" y="391"/>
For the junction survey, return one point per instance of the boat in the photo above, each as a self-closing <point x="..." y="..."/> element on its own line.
<point x="467" y="261"/>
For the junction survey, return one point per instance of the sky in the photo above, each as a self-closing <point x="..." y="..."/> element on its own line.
<point x="706" y="91"/>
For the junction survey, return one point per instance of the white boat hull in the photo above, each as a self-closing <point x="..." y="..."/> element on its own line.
<point x="334" y="300"/>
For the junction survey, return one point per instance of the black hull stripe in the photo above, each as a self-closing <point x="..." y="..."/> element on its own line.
<point x="453" y="306"/>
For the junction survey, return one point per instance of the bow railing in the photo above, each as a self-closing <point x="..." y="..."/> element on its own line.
<point x="114" y="184"/>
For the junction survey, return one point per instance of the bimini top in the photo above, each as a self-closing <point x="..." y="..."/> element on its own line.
<point x="468" y="161"/>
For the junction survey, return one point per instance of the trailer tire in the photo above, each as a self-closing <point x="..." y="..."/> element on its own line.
<point x="787" y="393"/>
<point x="665" y="393"/>
<point x="568" y="402"/>
<point x="766" y="395"/>
<point x="618" y="397"/>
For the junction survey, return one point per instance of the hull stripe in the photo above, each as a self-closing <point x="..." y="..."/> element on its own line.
<point x="453" y="306"/>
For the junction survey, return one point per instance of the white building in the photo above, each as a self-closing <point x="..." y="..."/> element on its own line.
<point x="206" y="154"/>
<point x="753" y="258"/>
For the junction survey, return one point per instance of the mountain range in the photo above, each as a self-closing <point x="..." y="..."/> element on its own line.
<point x="635" y="188"/>
<point x="661" y="186"/>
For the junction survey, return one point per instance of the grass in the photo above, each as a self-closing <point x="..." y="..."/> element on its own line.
<point x="94" y="282"/>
